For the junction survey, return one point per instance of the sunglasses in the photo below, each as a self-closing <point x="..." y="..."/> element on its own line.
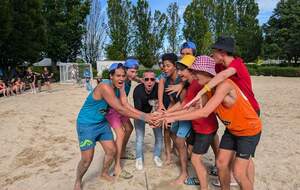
<point x="151" y="79"/>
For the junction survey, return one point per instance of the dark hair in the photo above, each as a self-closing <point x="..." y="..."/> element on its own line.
<point x="172" y="57"/>
<point x="120" y="65"/>
<point x="149" y="71"/>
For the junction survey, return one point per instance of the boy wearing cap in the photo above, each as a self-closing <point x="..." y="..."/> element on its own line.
<point x="92" y="125"/>
<point x="229" y="66"/>
<point x="204" y="129"/>
<point x="243" y="126"/>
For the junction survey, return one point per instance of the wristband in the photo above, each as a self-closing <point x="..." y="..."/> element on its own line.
<point x="206" y="87"/>
<point x="142" y="117"/>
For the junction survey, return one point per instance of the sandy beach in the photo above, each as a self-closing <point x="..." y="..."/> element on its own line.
<point x="39" y="147"/>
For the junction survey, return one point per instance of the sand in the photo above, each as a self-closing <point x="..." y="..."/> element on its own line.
<point x="39" y="148"/>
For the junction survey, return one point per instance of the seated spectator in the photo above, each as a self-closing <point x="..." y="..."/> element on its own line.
<point x="3" y="89"/>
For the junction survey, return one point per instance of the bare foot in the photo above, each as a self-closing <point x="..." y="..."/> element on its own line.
<point x="180" y="180"/>
<point x="77" y="186"/>
<point x="107" y="177"/>
<point x="168" y="162"/>
<point x="117" y="171"/>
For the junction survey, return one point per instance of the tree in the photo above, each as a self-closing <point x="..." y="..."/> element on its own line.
<point x="95" y="35"/>
<point x="118" y="13"/>
<point x="65" y="27"/>
<point x="149" y="33"/>
<point x="248" y="34"/>
<point x="282" y="30"/>
<point x="5" y="20"/>
<point x="173" y="27"/>
<point x="24" y="33"/>
<point x="197" y="17"/>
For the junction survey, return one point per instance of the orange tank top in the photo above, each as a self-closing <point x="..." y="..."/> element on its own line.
<point x="240" y="119"/>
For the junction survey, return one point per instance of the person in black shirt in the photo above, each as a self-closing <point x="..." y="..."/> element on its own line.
<point x="46" y="75"/>
<point x="145" y="99"/>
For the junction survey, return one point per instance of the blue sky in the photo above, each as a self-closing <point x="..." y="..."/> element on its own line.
<point x="266" y="7"/>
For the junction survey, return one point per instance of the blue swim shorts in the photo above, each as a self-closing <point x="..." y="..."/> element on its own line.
<point x="182" y="129"/>
<point x="88" y="134"/>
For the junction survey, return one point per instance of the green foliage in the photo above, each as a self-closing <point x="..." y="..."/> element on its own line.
<point x="65" y="19"/>
<point x="274" y="71"/>
<point x="173" y="27"/>
<point x="23" y="35"/>
<point x="149" y="33"/>
<point x="119" y="14"/>
<point x="105" y="74"/>
<point x="282" y="36"/>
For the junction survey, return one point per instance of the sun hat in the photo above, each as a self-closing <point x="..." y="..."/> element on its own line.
<point x="224" y="43"/>
<point x="115" y="66"/>
<point x="131" y="63"/>
<point x="187" y="60"/>
<point x="204" y="63"/>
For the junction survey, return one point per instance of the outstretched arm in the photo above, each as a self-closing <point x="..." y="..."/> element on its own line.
<point x="109" y="96"/>
<point x="222" y="90"/>
<point x="124" y="101"/>
<point x="220" y="77"/>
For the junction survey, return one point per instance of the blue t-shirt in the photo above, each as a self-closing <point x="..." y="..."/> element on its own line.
<point x="93" y="111"/>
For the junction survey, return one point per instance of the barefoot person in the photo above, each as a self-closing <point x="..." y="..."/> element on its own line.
<point x="92" y="125"/>
<point x="204" y="129"/>
<point x="31" y="78"/>
<point x="243" y="126"/>
<point x="144" y="94"/>
<point x="165" y="101"/>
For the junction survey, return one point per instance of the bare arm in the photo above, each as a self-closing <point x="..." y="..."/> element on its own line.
<point x="222" y="90"/>
<point x="161" y="86"/>
<point x="109" y="96"/>
<point x="124" y="101"/>
<point x="220" y="77"/>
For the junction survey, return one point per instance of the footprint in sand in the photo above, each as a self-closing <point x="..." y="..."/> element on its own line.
<point x="28" y="156"/>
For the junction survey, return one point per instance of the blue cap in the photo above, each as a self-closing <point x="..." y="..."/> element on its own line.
<point x="188" y="44"/>
<point x="131" y="63"/>
<point x="114" y="66"/>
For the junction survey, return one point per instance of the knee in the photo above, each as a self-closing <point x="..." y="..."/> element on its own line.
<point x="180" y="143"/>
<point x="86" y="161"/>
<point x="111" y="151"/>
<point x="221" y="163"/>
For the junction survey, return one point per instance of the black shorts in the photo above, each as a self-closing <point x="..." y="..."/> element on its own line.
<point x="244" y="146"/>
<point x="201" y="142"/>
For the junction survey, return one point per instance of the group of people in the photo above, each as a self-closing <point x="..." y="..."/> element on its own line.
<point x="18" y="83"/>
<point x="182" y="106"/>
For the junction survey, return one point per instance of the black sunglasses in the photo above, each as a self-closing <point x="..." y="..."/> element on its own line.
<point x="147" y="79"/>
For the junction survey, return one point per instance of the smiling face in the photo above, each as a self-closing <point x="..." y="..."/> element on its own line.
<point x="118" y="77"/>
<point x="149" y="80"/>
<point x="169" y="68"/>
<point x="202" y="77"/>
<point x="218" y="56"/>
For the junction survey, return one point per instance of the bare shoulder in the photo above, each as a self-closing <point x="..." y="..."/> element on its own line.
<point x="224" y="86"/>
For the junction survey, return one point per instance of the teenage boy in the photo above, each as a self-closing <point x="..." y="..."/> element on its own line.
<point x="243" y="126"/>
<point x="204" y="129"/>
<point x="92" y="125"/>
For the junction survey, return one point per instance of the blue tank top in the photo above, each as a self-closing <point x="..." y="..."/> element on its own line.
<point x="93" y="111"/>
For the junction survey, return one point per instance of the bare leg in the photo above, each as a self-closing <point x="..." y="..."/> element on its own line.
<point x="251" y="171"/>
<point x="215" y="146"/>
<point x="240" y="173"/>
<point x="128" y="130"/>
<point x="110" y="151"/>
<point x="120" y="134"/>
<point x="83" y="165"/>
<point x="224" y="170"/>
<point x="167" y="140"/>
<point x="182" y="149"/>
<point x="200" y="170"/>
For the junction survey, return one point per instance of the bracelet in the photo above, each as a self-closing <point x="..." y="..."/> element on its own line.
<point x="206" y="87"/>
<point x="142" y="117"/>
